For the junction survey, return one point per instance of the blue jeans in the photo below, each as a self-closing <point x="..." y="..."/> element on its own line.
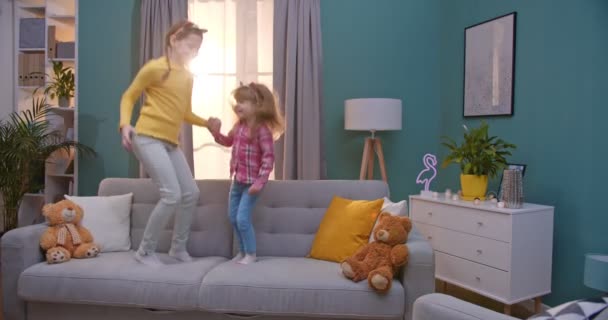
<point x="239" y="211"/>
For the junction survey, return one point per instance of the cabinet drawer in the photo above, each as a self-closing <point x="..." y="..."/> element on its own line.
<point x="483" y="250"/>
<point x="482" y="279"/>
<point x="477" y="222"/>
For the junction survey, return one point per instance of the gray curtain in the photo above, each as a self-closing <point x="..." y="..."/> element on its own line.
<point x="157" y="16"/>
<point x="297" y="78"/>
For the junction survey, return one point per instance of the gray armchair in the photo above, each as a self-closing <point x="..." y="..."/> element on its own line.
<point x="437" y="306"/>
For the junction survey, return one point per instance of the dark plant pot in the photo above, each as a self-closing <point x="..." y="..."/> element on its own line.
<point x="64" y="102"/>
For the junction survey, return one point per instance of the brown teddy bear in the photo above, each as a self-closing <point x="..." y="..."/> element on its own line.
<point x="66" y="237"/>
<point x="378" y="261"/>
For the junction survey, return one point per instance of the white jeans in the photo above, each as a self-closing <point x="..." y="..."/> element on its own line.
<point x="167" y="166"/>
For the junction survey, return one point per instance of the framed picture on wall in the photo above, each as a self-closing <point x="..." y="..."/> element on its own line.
<point x="489" y="67"/>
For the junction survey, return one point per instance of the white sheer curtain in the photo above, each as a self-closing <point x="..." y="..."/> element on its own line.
<point x="237" y="47"/>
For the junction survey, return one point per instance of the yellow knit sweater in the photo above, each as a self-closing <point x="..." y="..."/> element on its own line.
<point x="167" y="103"/>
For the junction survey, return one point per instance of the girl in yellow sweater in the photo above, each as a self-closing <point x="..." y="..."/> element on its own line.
<point x="167" y="85"/>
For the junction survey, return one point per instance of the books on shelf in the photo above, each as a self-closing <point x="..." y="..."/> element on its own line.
<point x="52" y="52"/>
<point x="46" y="33"/>
<point x="31" y="69"/>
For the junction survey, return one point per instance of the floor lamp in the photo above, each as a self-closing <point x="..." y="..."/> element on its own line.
<point x="372" y="114"/>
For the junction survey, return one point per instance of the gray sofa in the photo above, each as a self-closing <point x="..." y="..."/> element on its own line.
<point x="283" y="284"/>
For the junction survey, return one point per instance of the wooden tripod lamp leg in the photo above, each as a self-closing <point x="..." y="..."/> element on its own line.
<point x="367" y="150"/>
<point x="370" y="164"/>
<point x="378" y="147"/>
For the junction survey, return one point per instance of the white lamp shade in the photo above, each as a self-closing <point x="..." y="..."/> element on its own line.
<point x="372" y="114"/>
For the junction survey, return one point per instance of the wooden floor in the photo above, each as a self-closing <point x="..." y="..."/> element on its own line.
<point x="521" y="310"/>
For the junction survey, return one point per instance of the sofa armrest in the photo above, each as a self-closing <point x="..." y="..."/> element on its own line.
<point x="20" y="249"/>
<point x="438" y="306"/>
<point x="418" y="275"/>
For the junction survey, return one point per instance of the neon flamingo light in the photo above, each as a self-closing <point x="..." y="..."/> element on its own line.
<point x="430" y="161"/>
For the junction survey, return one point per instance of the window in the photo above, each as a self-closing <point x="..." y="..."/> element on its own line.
<point x="237" y="47"/>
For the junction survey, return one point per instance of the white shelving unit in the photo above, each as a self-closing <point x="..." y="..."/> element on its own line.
<point x="60" y="23"/>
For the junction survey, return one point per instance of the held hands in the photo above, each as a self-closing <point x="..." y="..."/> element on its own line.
<point x="127" y="132"/>
<point x="214" y="125"/>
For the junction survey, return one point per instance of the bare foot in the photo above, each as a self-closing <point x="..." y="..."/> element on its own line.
<point x="249" y="258"/>
<point x="239" y="256"/>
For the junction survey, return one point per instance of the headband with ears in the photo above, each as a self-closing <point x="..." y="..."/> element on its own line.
<point x="258" y="95"/>
<point x="190" y="25"/>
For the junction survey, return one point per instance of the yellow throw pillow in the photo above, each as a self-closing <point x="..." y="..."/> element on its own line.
<point x="345" y="227"/>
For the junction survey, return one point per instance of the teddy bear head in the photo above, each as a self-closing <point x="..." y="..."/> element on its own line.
<point x="64" y="211"/>
<point x="392" y="230"/>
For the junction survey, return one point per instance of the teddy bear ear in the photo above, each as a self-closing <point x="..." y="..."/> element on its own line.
<point x="46" y="209"/>
<point x="407" y="223"/>
<point x="383" y="215"/>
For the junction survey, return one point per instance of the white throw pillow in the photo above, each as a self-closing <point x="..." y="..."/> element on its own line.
<point x="108" y="219"/>
<point x="394" y="208"/>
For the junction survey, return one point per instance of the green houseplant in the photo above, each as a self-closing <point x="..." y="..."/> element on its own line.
<point x="63" y="85"/>
<point x="479" y="156"/>
<point x="27" y="139"/>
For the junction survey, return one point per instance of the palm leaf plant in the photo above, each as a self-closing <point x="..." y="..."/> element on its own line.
<point x="27" y="140"/>
<point x="62" y="84"/>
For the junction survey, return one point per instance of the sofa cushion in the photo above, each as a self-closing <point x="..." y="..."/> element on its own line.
<point x="288" y="213"/>
<point x="345" y="227"/>
<point x="115" y="278"/>
<point x="108" y="220"/>
<point x="295" y="286"/>
<point x="211" y="233"/>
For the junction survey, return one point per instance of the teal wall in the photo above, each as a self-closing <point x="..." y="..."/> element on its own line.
<point x="386" y="49"/>
<point x="413" y="50"/>
<point x="561" y="89"/>
<point x="390" y="52"/>
<point x="107" y="59"/>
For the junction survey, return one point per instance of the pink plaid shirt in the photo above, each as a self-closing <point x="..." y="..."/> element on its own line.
<point x="252" y="159"/>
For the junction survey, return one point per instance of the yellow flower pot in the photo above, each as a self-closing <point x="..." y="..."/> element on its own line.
<point x="473" y="186"/>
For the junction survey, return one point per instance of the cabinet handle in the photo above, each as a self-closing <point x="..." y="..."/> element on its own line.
<point x="479" y="251"/>
<point x="478" y="278"/>
<point x="430" y="237"/>
<point x="479" y="223"/>
<point x="430" y="213"/>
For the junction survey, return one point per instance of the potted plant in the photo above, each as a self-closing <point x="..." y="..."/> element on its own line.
<point x="62" y="84"/>
<point x="479" y="156"/>
<point x="27" y="140"/>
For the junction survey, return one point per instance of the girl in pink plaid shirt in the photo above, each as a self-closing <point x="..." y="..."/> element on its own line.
<point x="252" y="142"/>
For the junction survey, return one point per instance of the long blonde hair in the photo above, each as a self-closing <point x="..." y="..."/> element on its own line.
<point x="266" y="107"/>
